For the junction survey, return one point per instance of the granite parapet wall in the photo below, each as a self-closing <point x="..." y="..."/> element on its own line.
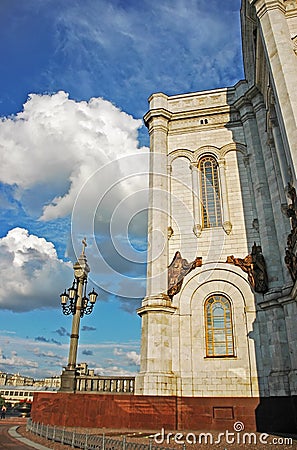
<point x="125" y="411"/>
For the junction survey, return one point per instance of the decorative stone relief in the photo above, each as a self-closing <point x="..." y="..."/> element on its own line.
<point x="291" y="212"/>
<point x="255" y="224"/>
<point x="197" y="230"/>
<point x="255" y="267"/>
<point x="170" y="232"/>
<point x="227" y="227"/>
<point x="177" y="271"/>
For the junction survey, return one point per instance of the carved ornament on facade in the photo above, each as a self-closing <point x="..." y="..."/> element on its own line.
<point x="255" y="267"/>
<point x="177" y="271"/>
<point x="170" y="232"/>
<point x="255" y="224"/>
<point x="197" y="230"/>
<point x="227" y="226"/>
<point x="291" y="212"/>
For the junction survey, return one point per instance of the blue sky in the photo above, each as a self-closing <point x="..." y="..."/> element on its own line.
<point x="74" y="81"/>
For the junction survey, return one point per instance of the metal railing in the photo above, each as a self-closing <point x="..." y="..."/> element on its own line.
<point x="87" y="383"/>
<point x="87" y="441"/>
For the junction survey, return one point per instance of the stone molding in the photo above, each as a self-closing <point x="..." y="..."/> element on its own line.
<point x="263" y="6"/>
<point x="194" y="155"/>
<point x="156" y="303"/>
<point x="159" y="113"/>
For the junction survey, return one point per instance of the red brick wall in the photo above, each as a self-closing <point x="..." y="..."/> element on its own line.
<point x="126" y="411"/>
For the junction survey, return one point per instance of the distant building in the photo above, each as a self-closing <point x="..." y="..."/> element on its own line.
<point x="16" y="388"/>
<point x="20" y="394"/>
<point x="3" y="378"/>
<point x="49" y="382"/>
<point x="82" y="369"/>
<point x="19" y="380"/>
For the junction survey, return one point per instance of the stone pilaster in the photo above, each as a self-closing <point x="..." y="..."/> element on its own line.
<point x="278" y="227"/>
<point x="196" y="182"/>
<point x="283" y="65"/>
<point x="260" y="188"/>
<point x="280" y="151"/>
<point x="156" y="376"/>
<point x="157" y="122"/>
<point x="290" y="313"/>
<point x="224" y="192"/>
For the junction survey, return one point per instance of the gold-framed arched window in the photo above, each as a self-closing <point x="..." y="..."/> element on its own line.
<point x="218" y="327"/>
<point x="210" y="192"/>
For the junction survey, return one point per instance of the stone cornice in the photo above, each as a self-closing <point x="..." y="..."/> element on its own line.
<point x="156" y="309"/>
<point x="253" y="92"/>
<point x="250" y="102"/>
<point x="278" y="297"/>
<point x="291" y="12"/>
<point x="156" y="304"/>
<point x="243" y="102"/>
<point x="197" y="113"/>
<point x="247" y="97"/>
<point x="263" y="6"/>
<point x="156" y="113"/>
<point x="190" y="120"/>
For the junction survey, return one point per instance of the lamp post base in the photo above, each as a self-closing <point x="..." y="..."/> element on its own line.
<point x="68" y="380"/>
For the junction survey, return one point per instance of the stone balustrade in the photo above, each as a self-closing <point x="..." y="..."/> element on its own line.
<point x="105" y="385"/>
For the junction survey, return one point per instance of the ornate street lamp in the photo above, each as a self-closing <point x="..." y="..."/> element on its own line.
<point x="76" y="302"/>
<point x="69" y="301"/>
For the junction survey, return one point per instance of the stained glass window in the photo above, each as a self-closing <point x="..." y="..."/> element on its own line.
<point x="210" y="193"/>
<point x="218" y="326"/>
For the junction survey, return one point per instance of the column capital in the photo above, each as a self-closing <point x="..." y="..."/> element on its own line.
<point x="222" y="162"/>
<point x="193" y="166"/>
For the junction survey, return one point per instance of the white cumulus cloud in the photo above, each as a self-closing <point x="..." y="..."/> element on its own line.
<point x="130" y="357"/>
<point x="64" y="157"/>
<point x="15" y="361"/>
<point x="55" y="144"/>
<point x="133" y="357"/>
<point x="32" y="274"/>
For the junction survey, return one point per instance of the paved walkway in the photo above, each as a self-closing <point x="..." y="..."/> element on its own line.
<point x="10" y="439"/>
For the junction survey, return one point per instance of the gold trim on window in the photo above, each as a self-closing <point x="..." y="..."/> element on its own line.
<point x="210" y="193"/>
<point x="218" y="327"/>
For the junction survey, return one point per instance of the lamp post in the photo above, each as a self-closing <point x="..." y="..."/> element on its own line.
<point x="76" y="302"/>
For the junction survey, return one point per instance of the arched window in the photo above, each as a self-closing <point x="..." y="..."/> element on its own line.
<point x="218" y="326"/>
<point x="210" y="193"/>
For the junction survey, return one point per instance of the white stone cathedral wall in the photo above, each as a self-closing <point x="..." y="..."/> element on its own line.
<point x="206" y="376"/>
<point x="198" y="375"/>
<point x="213" y="244"/>
<point x="182" y="209"/>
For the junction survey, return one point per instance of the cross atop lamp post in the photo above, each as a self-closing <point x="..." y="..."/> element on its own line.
<point x="76" y="302"/>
